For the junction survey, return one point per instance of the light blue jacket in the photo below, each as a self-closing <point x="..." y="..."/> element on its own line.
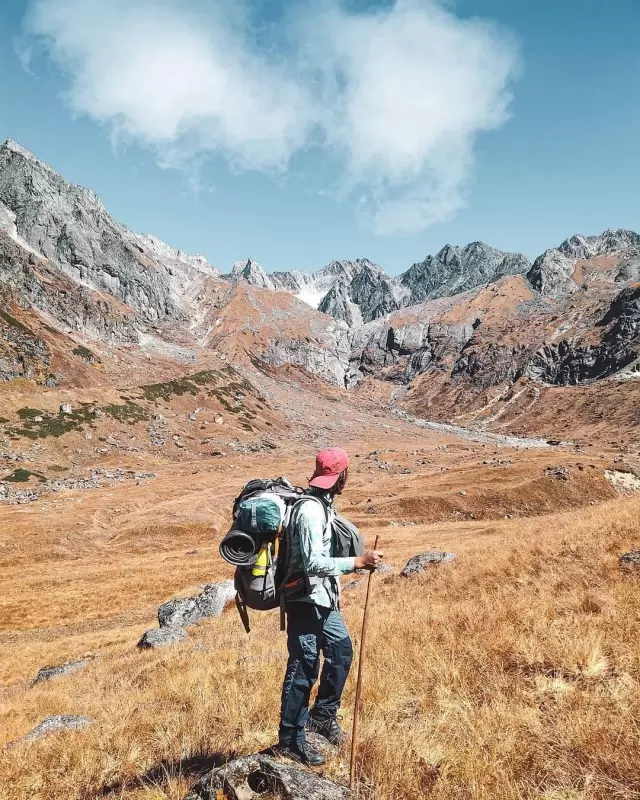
<point x="310" y="542"/>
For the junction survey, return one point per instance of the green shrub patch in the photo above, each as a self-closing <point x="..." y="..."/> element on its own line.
<point x="23" y="476"/>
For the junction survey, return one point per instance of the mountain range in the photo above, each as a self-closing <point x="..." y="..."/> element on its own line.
<point x="359" y="291"/>
<point x="458" y="331"/>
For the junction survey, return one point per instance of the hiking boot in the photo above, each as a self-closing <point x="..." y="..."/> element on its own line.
<point x="328" y="728"/>
<point x="302" y="752"/>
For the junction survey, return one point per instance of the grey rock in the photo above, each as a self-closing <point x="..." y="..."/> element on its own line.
<point x="162" y="637"/>
<point x="185" y="611"/>
<point x="418" y="563"/>
<point x="558" y="473"/>
<point x="458" y="269"/>
<point x="46" y="673"/>
<point x="59" y="722"/>
<point x="630" y="560"/>
<point x="400" y="352"/>
<point x="260" y="775"/>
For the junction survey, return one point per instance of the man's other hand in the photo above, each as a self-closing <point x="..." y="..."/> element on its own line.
<point x="370" y="560"/>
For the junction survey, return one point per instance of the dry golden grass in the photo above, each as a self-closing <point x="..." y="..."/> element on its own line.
<point x="512" y="673"/>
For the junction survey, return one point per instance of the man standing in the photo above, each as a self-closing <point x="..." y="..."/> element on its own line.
<point x="314" y="621"/>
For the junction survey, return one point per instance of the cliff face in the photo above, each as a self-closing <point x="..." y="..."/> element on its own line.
<point x="69" y="226"/>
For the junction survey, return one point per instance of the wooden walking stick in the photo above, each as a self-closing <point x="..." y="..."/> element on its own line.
<point x="356" y="711"/>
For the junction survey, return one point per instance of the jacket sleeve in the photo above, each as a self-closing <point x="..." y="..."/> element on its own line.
<point x="310" y="525"/>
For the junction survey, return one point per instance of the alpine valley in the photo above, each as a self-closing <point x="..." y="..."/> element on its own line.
<point x="490" y="406"/>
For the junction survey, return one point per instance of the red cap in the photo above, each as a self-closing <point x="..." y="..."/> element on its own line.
<point x="330" y="464"/>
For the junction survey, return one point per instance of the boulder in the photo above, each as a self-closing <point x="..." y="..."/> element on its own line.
<point x="630" y="560"/>
<point x="161" y="637"/>
<point x="262" y="775"/>
<point x="59" y="722"/>
<point x="66" y="408"/>
<point x="558" y="473"/>
<point x="418" y="563"/>
<point x="181" y="612"/>
<point x="46" y="673"/>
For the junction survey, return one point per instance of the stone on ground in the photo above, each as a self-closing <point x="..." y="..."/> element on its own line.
<point x="418" y="563"/>
<point x="59" y="722"/>
<point x="211" y="602"/>
<point x="630" y="560"/>
<point x="161" y="637"/>
<point x="258" y="775"/>
<point x="46" y="673"/>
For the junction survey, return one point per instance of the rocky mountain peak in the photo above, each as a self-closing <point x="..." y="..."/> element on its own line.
<point x="69" y="226"/>
<point x="449" y="254"/>
<point x="555" y="272"/>
<point x="14" y="157"/>
<point x="251" y="272"/>
<point x="454" y="269"/>
<point x="609" y="242"/>
<point x="11" y="146"/>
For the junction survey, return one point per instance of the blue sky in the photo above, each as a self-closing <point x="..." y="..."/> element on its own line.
<point x="296" y="132"/>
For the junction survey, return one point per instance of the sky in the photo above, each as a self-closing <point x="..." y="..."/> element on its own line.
<point x="296" y="132"/>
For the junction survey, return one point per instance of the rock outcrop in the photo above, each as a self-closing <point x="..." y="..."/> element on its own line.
<point x="363" y="293"/>
<point x="55" y="724"/>
<point x="630" y="560"/>
<point x="23" y="354"/>
<point x="419" y="563"/>
<point x="47" y="673"/>
<point x="185" y="611"/>
<point x="262" y="775"/>
<point x="162" y="637"/>
<point x="177" y="614"/>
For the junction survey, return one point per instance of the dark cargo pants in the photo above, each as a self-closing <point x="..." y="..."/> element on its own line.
<point x="311" y="629"/>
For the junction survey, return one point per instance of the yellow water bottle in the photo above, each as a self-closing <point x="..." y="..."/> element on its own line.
<point x="262" y="562"/>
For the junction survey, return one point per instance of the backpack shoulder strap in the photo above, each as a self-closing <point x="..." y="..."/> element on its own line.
<point x="319" y="500"/>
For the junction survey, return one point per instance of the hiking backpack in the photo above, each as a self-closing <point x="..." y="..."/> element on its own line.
<point x="258" y="545"/>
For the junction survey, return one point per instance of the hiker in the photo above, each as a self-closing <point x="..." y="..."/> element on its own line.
<point x="314" y="621"/>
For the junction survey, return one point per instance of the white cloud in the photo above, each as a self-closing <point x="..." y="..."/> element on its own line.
<point x="397" y="95"/>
